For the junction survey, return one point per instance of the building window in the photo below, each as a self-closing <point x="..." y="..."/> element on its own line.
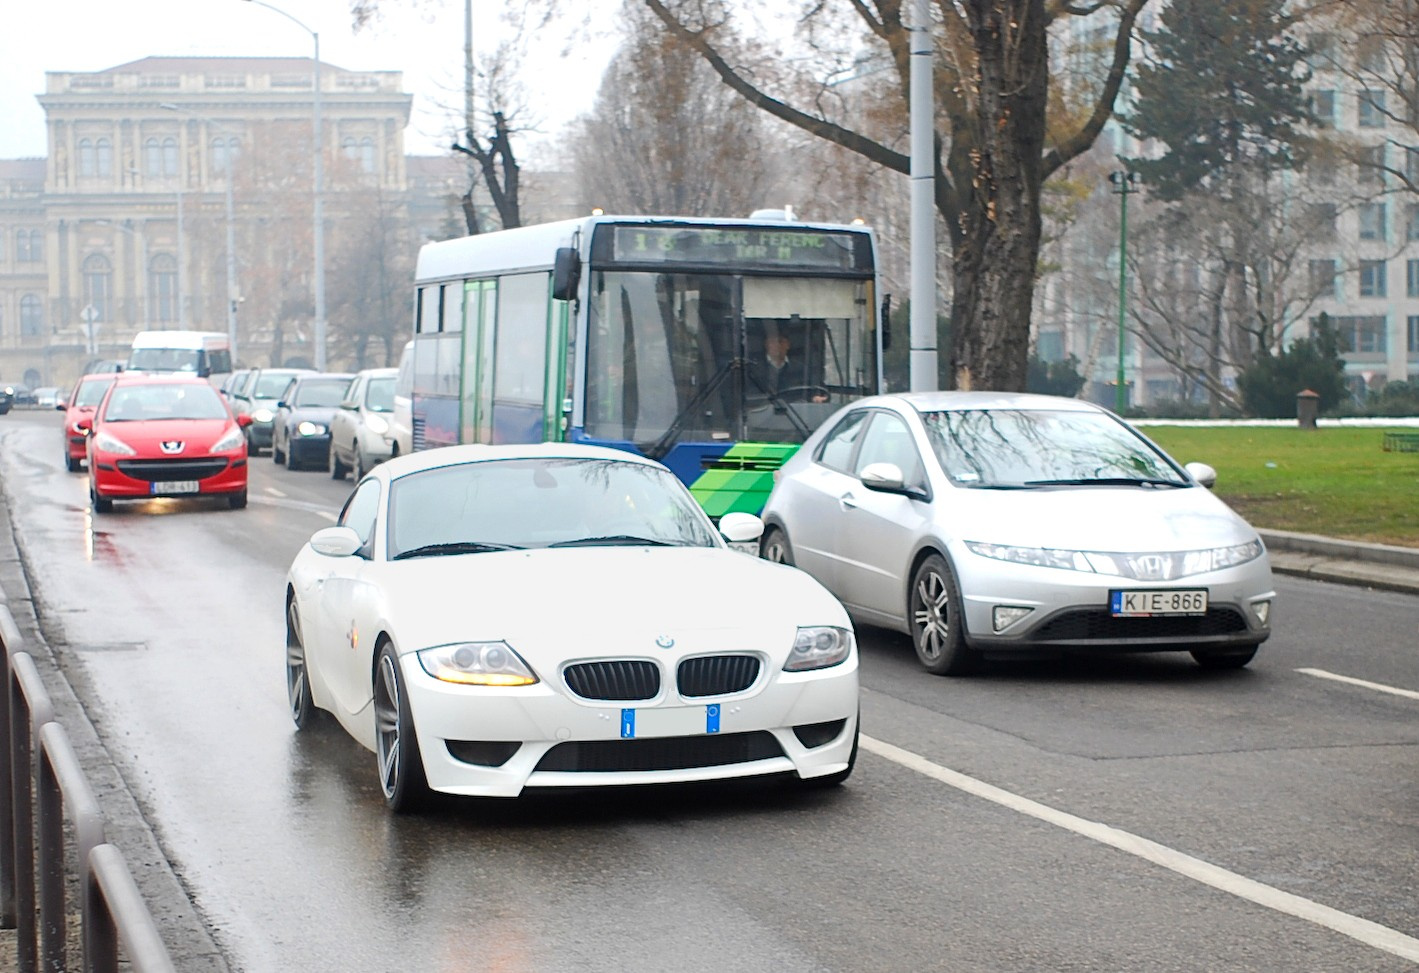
<point x="359" y="151"/>
<point x="1372" y="278"/>
<point x="103" y="157"/>
<point x="1411" y="278"/>
<point x="98" y="285"/>
<point x="88" y="161"/>
<point x="1411" y="222"/>
<point x="29" y="246"/>
<point x="1323" y="104"/>
<point x="1372" y="108"/>
<point x="225" y="152"/>
<point x="1323" y="278"/>
<point x="1372" y="221"/>
<point x="1413" y="334"/>
<point x="1371" y="162"/>
<point x="1411" y="165"/>
<point x="1323" y="220"/>
<point x="31" y="316"/>
<point x="1322" y="47"/>
<point x="1361" y="333"/>
<point x="2" y="248"/>
<point x="162" y="285"/>
<point x="160" y="157"/>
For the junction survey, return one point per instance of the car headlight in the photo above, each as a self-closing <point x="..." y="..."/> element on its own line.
<point x="377" y="424"/>
<point x="233" y="438"/>
<point x="1141" y="566"/>
<point x="817" y="647"/>
<point x="477" y="664"/>
<point x="263" y="415"/>
<point x="112" y="444"/>
<point x="308" y="428"/>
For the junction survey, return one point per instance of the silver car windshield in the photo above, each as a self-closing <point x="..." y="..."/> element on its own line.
<point x="525" y="503"/>
<point x="1027" y="448"/>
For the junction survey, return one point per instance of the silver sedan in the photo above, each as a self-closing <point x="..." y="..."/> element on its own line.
<point x="988" y="523"/>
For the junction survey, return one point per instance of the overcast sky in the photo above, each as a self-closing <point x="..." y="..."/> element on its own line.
<point x="422" y="40"/>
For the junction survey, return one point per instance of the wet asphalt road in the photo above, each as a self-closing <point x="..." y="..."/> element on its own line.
<point x="1260" y="794"/>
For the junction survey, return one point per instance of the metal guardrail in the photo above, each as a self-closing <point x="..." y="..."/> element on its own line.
<point x="41" y="779"/>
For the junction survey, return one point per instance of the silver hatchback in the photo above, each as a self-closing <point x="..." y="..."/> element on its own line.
<point x="987" y="523"/>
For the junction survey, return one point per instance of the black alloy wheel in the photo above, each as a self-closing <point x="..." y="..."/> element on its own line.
<point x="934" y="614"/>
<point x="401" y="769"/>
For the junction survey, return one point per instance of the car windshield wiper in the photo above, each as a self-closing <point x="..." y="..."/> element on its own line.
<point x="626" y="539"/>
<point x="1109" y="481"/>
<point x="454" y="547"/>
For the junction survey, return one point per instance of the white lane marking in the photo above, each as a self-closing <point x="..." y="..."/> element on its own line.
<point x="274" y="492"/>
<point x="1378" y="687"/>
<point x="1362" y="930"/>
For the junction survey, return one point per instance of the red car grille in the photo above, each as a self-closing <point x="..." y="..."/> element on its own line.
<point x="164" y="470"/>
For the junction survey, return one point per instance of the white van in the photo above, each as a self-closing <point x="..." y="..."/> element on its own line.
<point x="401" y="425"/>
<point x="204" y="353"/>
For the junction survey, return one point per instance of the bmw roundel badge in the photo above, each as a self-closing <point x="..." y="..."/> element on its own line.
<point x="665" y="642"/>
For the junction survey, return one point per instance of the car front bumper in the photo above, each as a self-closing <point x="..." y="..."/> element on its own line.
<point x="563" y="741"/>
<point x="122" y="478"/>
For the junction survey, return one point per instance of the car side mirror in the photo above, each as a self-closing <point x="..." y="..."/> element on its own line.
<point x="85" y="425"/>
<point x="244" y="419"/>
<point x="281" y="404"/>
<point x="886" y="477"/>
<point x="1202" y="473"/>
<point x="740" y="528"/>
<point x="62" y="406"/>
<point x="335" y="541"/>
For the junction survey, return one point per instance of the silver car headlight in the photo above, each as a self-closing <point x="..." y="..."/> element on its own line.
<point x="376" y="424"/>
<point x="477" y="664"/>
<point x="1142" y="566"/>
<point x="819" y="646"/>
<point x="234" y="438"/>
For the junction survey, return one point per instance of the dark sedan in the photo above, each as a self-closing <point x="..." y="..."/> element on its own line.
<point x="300" y="432"/>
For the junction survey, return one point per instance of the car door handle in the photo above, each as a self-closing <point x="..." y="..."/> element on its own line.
<point x="848" y="500"/>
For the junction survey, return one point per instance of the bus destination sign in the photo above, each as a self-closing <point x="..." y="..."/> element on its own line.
<point x="747" y="246"/>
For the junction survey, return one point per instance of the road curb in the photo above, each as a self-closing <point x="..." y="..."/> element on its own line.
<point x="1383" y="566"/>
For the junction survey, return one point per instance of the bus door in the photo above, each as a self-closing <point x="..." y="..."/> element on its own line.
<point x="480" y="300"/>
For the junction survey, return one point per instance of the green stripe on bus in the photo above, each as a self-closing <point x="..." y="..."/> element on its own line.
<point x="741" y="479"/>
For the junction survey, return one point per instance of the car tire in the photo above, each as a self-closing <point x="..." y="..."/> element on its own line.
<point x="277" y="456"/>
<point x="337" y="468"/>
<point x="775" y="547"/>
<point x="73" y="465"/>
<point x="833" y="780"/>
<point x="361" y="467"/>
<point x="237" y="500"/>
<point x="303" y="711"/>
<point x="102" y="505"/>
<point x="1218" y="659"/>
<point x="401" y="769"/>
<point x="290" y="457"/>
<point x="934" y="616"/>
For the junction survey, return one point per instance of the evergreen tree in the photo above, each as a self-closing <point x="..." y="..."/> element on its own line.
<point x="1270" y="385"/>
<point x="1223" y="85"/>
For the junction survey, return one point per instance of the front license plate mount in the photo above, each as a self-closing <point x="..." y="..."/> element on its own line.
<point x="669" y="721"/>
<point x="163" y="488"/>
<point x="1145" y="602"/>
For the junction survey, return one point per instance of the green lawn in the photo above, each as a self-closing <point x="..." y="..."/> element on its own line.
<point x="1334" y="481"/>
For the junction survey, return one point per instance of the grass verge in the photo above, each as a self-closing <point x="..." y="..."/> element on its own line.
<point x="1333" y="481"/>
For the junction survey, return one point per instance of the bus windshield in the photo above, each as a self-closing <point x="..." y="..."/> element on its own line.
<point x="723" y="357"/>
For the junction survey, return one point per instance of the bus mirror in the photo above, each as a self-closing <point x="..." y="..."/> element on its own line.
<point x="566" y="272"/>
<point x="886" y="321"/>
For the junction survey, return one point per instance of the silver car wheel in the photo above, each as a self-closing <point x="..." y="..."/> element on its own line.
<point x="401" y="771"/>
<point x="775" y="547"/>
<point x="934" y="612"/>
<point x="297" y="676"/>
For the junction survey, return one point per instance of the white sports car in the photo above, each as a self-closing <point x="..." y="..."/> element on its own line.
<point x="489" y="618"/>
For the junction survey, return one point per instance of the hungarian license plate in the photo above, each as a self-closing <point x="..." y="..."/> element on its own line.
<point x="1171" y="601"/>
<point x="669" y="721"/>
<point x="165" y="487"/>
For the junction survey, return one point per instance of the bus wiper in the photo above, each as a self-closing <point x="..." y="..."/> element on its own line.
<point x="1108" y="481"/>
<point x="614" y="539"/>
<point x="454" y="547"/>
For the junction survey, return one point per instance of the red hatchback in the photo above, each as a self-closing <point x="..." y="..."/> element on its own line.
<point x="82" y="402"/>
<point x="157" y="435"/>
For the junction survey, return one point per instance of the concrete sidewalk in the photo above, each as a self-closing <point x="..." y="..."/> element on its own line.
<point x="1343" y="562"/>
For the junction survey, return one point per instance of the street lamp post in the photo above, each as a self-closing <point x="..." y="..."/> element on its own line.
<point x="1124" y="183"/>
<point x="231" y="230"/>
<point x="319" y="228"/>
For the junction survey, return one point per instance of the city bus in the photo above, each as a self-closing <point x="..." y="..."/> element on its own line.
<point x="712" y="345"/>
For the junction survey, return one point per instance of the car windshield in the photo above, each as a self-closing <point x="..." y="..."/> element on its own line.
<point x="134" y="403"/>
<point x="379" y="395"/>
<point x="270" y="385"/>
<point x="322" y="392"/>
<point x="524" y="503"/>
<point x="1021" y="448"/>
<point x="164" y="360"/>
<point x="91" y="393"/>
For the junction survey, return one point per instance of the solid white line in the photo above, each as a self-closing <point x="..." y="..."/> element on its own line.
<point x="1363" y="683"/>
<point x="274" y="492"/>
<point x="1362" y="930"/>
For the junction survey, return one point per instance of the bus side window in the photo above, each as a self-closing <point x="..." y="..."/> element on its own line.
<point x="428" y="322"/>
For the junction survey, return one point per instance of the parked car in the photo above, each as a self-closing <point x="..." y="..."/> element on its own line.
<point x="47" y="397"/>
<point x="7" y="398"/>
<point x="420" y="621"/>
<point x="258" y="399"/>
<point x="86" y="396"/>
<point x="300" y="432"/>
<point x="991" y="523"/>
<point x="164" y="435"/>
<point x="360" y="431"/>
<point x="22" y="395"/>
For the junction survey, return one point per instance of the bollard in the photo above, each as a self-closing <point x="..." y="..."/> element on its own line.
<point x="1307" y="404"/>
